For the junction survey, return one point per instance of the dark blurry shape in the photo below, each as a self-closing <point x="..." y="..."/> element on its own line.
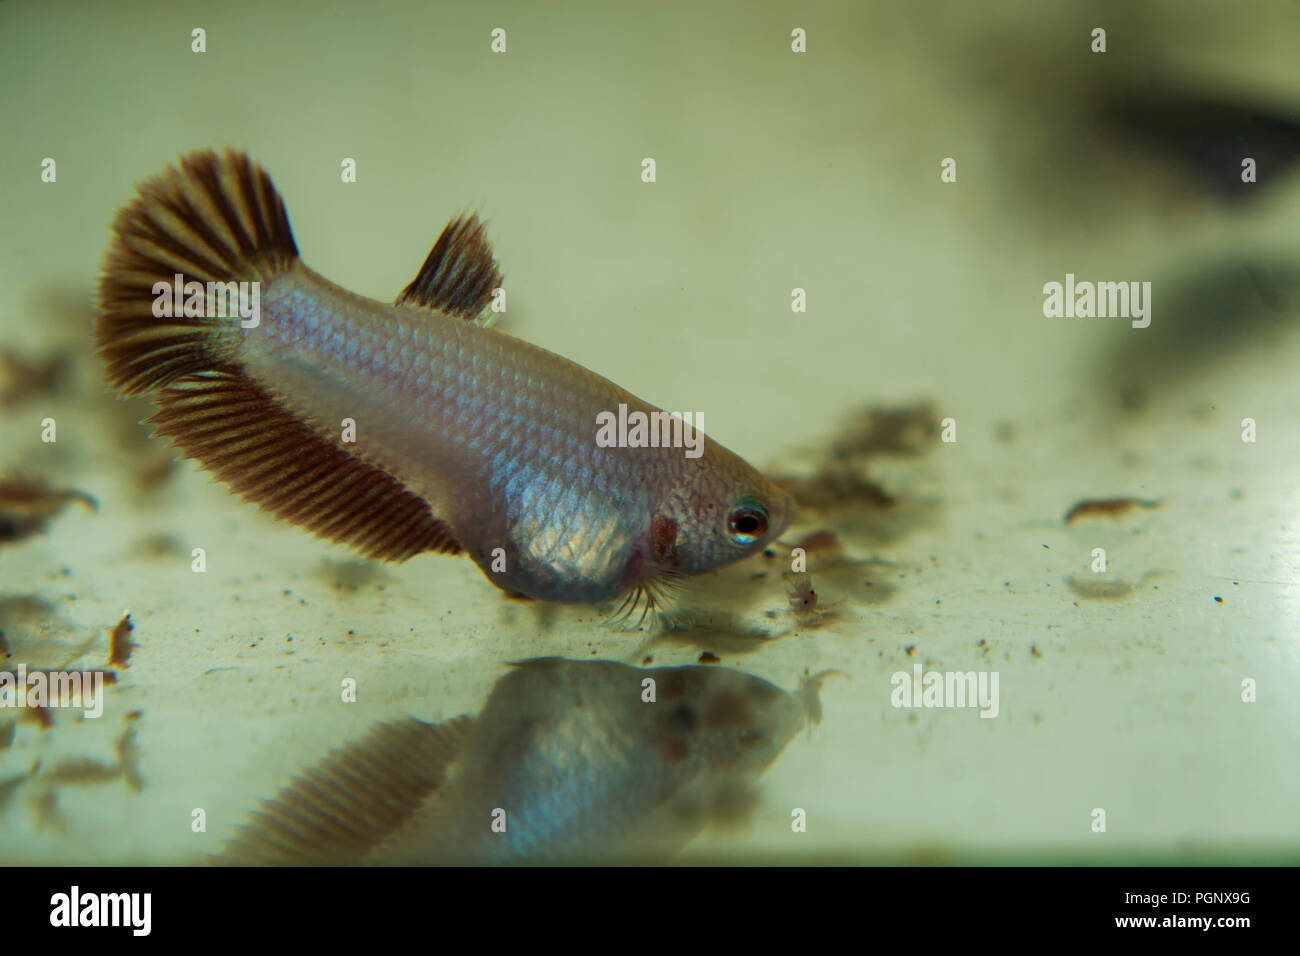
<point x="23" y="378"/>
<point x="44" y="804"/>
<point x="823" y="543"/>
<point x="568" y="761"/>
<point x="902" y="430"/>
<point x="1099" y="587"/>
<point x="120" y="644"/>
<point x="351" y="575"/>
<point x="81" y="770"/>
<point x="128" y="758"/>
<point x="1133" y="397"/>
<point x="27" y="504"/>
<point x="723" y="632"/>
<point x="1210" y="135"/>
<point x="68" y="309"/>
<point x="25" y="609"/>
<point x="810" y="689"/>
<point x="38" y="714"/>
<point x="708" y="657"/>
<point x="1215" y="310"/>
<point x="24" y="617"/>
<point x="837" y="485"/>
<point x="9" y="785"/>
<point x="1106" y="507"/>
<point x="7" y="731"/>
<point x="159" y="546"/>
<point x="154" y="473"/>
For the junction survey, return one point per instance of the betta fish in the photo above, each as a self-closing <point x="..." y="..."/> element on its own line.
<point x="406" y="427"/>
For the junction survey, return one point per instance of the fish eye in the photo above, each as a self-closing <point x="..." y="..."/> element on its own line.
<point x="747" y="523"/>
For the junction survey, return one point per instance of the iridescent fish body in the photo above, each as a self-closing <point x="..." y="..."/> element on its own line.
<point x="567" y="761"/>
<point x="407" y="427"/>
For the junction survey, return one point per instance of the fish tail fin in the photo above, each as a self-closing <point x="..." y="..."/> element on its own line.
<point x="212" y="219"/>
<point x="218" y="220"/>
<point x="343" y="808"/>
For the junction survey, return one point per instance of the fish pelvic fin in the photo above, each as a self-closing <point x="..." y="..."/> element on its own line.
<point x="459" y="275"/>
<point x="352" y="801"/>
<point x="649" y="600"/>
<point x="214" y="219"/>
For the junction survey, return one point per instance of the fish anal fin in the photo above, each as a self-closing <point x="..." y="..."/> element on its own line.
<point x="459" y="275"/>
<point x="275" y="460"/>
<point x="353" y="800"/>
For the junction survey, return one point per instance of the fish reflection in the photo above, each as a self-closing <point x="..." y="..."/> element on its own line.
<point x="568" y="761"/>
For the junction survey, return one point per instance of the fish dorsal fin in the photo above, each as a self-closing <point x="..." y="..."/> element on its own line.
<point x="459" y="275"/>
<point x="353" y="800"/>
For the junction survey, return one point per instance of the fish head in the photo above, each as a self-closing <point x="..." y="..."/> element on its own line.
<point x="719" y="511"/>
<point x="722" y="722"/>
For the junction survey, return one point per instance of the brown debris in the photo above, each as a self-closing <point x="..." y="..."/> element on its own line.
<point x="23" y="378"/>
<point x="822" y="542"/>
<point x="82" y="770"/>
<point x="840" y="478"/>
<point x="87" y="771"/>
<point x="128" y="759"/>
<point x="1106" y="507"/>
<point x="838" y="484"/>
<point x="905" y="430"/>
<point x="120" y="644"/>
<point x="39" y="715"/>
<point x="53" y="674"/>
<point x="27" y="504"/>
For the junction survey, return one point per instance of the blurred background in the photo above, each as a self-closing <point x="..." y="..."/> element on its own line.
<point x="775" y="171"/>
